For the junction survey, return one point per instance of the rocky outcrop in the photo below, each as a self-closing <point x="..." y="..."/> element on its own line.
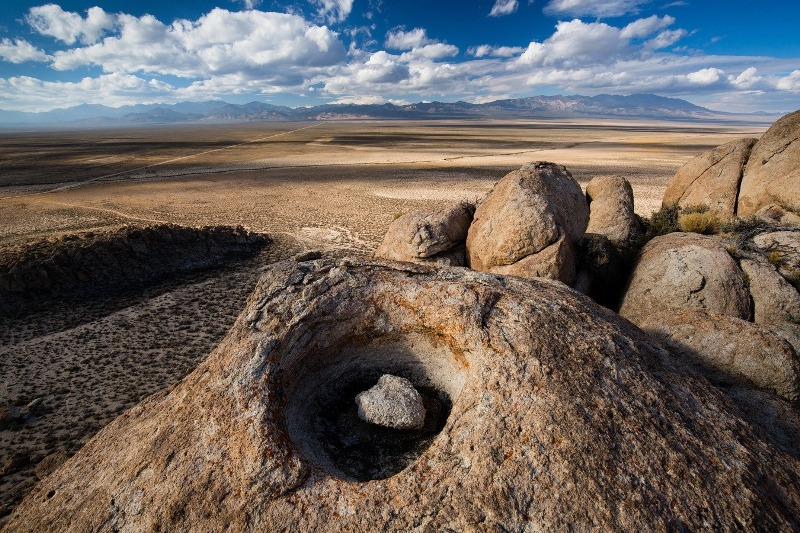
<point x="611" y="209"/>
<point x="529" y="224"/>
<point x="103" y="263"/>
<point x="711" y="179"/>
<point x="683" y="271"/>
<point x="602" y="270"/>
<point x="730" y="351"/>
<point x="772" y="176"/>
<point x="546" y="413"/>
<point x="421" y="237"/>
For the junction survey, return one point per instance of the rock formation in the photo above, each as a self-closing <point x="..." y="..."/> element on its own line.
<point x="711" y="179"/>
<point x="681" y="271"/>
<point x="774" y="299"/>
<point x="436" y="237"/>
<point x="529" y="224"/>
<point x="772" y="176"/>
<point x="729" y="350"/>
<point x="96" y="263"/>
<point x="611" y="209"/>
<point x="547" y="413"/>
<point x="393" y="402"/>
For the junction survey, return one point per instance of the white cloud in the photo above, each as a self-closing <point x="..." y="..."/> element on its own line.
<point x="487" y="50"/>
<point x="665" y="39"/>
<point x="575" y="42"/>
<point x="706" y="76"/>
<point x="594" y="8"/>
<point x="641" y="28"/>
<point x="399" y="39"/>
<point x="260" y="44"/>
<point x="790" y="82"/>
<point x="747" y="79"/>
<point x="431" y="51"/>
<point x="369" y="100"/>
<point x="503" y="7"/>
<point x="250" y="4"/>
<point x="68" y="26"/>
<point x="333" y="10"/>
<point x="20" y="51"/>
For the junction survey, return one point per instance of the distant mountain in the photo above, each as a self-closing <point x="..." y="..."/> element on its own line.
<point x="648" y="106"/>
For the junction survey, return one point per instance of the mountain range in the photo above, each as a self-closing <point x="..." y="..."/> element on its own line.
<point x="647" y="106"/>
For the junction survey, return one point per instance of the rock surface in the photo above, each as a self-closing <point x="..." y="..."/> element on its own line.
<point x="772" y="175"/>
<point x="99" y="263"/>
<point x="611" y="209"/>
<point x="393" y="402"/>
<point x="711" y="179"/>
<point x="774" y="298"/>
<point x="436" y="237"/>
<point x="529" y="224"/>
<point x="557" y="415"/>
<point x="682" y="271"/>
<point x="729" y="350"/>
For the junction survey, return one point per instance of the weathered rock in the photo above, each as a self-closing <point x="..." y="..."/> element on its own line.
<point x="50" y="462"/>
<point x="393" y="402"/>
<point x="611" y="209"/>
<point x="557" y="415"/>
<point x="711" y="179"/>
<point x="421" y="237"/>
<point x="729" y="350"/>
<point x="772" y="175"/>
<point x="774" y="298"/>
<point x="529" y="224"/>
<point x="602" y="270"/>
<point x="782" y="248"/>
<point x="685" y="270"/>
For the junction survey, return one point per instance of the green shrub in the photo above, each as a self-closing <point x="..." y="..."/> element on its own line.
<point x="661" y="222"/>
<point x="705" y="222"/>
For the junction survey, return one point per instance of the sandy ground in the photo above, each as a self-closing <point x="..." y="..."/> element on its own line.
<point x="331" y="186"/>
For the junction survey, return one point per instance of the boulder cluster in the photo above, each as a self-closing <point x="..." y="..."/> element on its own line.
<point x="404" y="393"/>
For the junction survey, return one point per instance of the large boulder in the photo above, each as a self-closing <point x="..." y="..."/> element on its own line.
<point x="772" y="176"/>
<point x="774" y="298"/>
<point x="529" y="224"/>
<point x="428" y="237"/>
<point x="685" y="270"/>
<point x="729" y="350"/>
<point x="711" y="179"/>
<point x="549" y="413"/>
<point x="611" y="209"/>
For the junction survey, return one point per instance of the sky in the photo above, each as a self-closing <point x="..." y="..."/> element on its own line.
<point x="732" y="55"/>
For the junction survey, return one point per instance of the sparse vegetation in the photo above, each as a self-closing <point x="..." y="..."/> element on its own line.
<point x="661" y="222"/>
<point x="705" y="222"/>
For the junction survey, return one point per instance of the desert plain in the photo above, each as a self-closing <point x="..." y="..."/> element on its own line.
<point x="330" y="186"/>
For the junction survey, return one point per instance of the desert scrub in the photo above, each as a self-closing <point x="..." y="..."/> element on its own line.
<point x="705" y="222"/>
<point x="661" y="222"/>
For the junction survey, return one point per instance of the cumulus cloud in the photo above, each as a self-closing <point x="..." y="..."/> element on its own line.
<point x="790" y="82"/>
<point x="638" y="29"/>
<point x="399" y="39"/>
<point x="261" y="44"/>
<point x="68" y="26"/>
<point x="333" y="10"/>
<point x="487" y="50"/>
<point x="250" y="4"/>
<point x="20" y="51"/>
<point x="594" y="8"/>
<point x="665" y="39"/>
<point x="706" y="76"/>
<point x="575" y="42"/>
<point x="503" y="7"/>
<point x="369" y="100"/>
<point x="747" y="79"/>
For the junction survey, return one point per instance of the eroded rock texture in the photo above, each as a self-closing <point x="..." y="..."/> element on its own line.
<point x="611" y="209"/>
<point x="682" y="271"/>
<point x="529" y="224"/>
<point x="772" y="176"/>
<point x="547" y="413"/>
<point x="421" y="237"/>
<point x="711" y="179"/>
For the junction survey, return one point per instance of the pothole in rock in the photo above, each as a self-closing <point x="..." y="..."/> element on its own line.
<point x="322" y="414"/>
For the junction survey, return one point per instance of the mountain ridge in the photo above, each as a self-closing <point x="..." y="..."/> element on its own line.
<point x="648" y="106"/>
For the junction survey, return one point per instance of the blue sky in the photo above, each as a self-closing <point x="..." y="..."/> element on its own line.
<point x="732" y="55"/>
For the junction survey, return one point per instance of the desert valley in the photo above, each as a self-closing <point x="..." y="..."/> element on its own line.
<point x="145" y="270"/>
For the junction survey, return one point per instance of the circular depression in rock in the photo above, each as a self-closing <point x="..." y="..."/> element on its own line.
<point x="322" y="416"/>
